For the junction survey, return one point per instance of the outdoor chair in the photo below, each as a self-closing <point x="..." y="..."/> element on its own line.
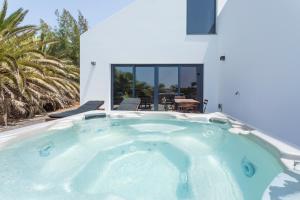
<point x="205" y="102"/>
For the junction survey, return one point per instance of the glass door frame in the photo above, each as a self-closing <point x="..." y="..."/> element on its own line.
<point x="200" y="80"/>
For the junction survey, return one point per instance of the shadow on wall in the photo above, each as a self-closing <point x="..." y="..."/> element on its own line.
<point x="212" y="62"/>
<point x="87" y="84"/>
<point x="261" y="62"/>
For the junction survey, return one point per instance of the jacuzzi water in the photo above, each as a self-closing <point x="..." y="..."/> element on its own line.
<point x="148" y="158"/>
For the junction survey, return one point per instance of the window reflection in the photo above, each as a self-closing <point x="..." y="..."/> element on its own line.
<point x="201" y="16"/>
<point x="188" y="82"/>
<point x="144" y="87"/>
<point x="123" y="84"/>
<point x="168" y="87"/>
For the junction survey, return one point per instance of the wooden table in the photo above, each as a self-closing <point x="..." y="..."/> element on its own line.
<point x="186" y="104"/>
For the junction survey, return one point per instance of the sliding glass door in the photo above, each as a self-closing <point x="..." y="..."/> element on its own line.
<point x="156" y="85"/>
<point x="144" y="86"/>
<point x="167" y="87"/>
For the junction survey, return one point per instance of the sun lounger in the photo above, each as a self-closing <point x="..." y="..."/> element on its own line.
<point x="130" y="104"/>
<point x="88" y="106"/>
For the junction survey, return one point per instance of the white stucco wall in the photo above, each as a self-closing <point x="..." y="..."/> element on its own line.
<point x="145" y="32"/>
<point x="261" y="41"/>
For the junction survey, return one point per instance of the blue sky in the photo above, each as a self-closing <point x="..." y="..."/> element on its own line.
<point x="93" y="10"/>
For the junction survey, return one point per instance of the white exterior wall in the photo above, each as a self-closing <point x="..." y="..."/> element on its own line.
<point x="261" y="41"/>
<point x="145" y="32"/>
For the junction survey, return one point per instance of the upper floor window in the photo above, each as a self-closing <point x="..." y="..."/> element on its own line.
<point x="201" y="17"/>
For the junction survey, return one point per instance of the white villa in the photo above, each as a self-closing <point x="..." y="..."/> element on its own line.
<point x="242" y="56"/>
<point x="180" y="100"/>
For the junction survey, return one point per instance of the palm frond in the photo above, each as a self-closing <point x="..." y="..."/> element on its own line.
<point x="3" y="12"/>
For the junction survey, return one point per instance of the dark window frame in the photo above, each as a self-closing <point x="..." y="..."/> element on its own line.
<point x="199" y="67"/>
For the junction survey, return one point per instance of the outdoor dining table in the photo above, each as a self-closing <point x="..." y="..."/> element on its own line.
<point x="187" y="104"/>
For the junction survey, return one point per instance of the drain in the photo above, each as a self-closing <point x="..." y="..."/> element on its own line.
<point x="45" y="151"/>
<point x="248" y="168"/>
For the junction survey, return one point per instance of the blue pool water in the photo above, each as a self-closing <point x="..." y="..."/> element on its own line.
<point x="148" y="158"/>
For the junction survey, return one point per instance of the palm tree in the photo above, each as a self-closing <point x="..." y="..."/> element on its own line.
<point x="29" y="78"/>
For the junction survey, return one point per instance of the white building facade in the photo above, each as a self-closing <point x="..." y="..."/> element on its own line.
<point x="258" y="82"/>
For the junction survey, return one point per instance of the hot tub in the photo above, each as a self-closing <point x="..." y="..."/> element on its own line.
<point x="128" y="156"/>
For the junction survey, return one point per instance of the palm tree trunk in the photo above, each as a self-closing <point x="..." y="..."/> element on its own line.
<point x="4" y="109"/>
<point x="5" y="116"/>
